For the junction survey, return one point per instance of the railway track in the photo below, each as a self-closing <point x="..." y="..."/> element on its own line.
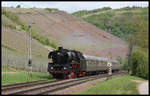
<point x="20" y="84"/>
<point x="11" y="88"/>
<point x="49" y="87"/>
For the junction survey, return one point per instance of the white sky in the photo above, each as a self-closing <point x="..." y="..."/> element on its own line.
<point x="73" y="6"/>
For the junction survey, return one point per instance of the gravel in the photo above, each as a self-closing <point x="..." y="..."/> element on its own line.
<point x="80" y="87"/>
<point x="143" y="88"/>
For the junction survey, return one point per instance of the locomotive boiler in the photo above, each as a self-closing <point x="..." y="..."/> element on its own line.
<point x="71" y="64"/>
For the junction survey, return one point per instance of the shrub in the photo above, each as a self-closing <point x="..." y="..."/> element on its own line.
<point x="123" y="62"/>
<point x="24" y="27"/>
<point x="44" y="40"/>
<point x="139" y="64"/>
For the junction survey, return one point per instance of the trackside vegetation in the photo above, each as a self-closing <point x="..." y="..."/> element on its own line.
<point x="11" y="76"/>
<point x="119" y="85"/>
<point x="139" y="64"/>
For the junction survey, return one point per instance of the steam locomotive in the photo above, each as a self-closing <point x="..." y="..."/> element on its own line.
<point x="72" y="64"/>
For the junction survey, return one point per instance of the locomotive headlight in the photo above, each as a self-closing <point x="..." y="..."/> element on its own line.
<point x="52" y="68"/>
<point x="65" y="67"/>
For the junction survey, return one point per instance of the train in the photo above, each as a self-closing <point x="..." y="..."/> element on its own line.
<point x="66" y="64"/>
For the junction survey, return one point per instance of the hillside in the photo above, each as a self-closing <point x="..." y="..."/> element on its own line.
<point x="119" y="22"/>
<point x="64" y="30"/>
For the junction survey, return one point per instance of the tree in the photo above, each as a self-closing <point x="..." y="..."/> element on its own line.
<point x="132" y="42"/>
<point x="18" y="6"/>
<point x="142" y="33"/>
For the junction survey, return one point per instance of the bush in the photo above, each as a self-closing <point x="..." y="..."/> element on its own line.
<point x="123" y="63"/>
<point x="139" y="64"/>
<point x="44" y="40"/>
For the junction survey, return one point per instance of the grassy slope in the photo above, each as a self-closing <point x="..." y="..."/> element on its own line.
<point x="15" y="45"/>
<point x="23" y="22"/>
<point x="22" y="76"/>
<point x="20" y="42"/>
<point x="119" y="22"/>
<point x="55" y="25"/>
<point x="16" y="37"/>
<point x="69" y="31"/>
<point x="119" y="85"/>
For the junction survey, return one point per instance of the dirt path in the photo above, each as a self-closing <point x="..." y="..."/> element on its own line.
<point x="143" y="88"/>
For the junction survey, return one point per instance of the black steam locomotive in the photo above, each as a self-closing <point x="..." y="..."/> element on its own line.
<point x="71" y="64"/>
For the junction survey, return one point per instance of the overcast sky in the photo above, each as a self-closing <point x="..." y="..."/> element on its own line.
<point x="73" y="6"/>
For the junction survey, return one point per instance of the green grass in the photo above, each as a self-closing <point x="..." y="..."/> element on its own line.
<point x="22" y="76"/>
<point x="118" y="85"/>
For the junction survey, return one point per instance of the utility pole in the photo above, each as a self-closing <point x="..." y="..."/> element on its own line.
<point x="30" y="51"/>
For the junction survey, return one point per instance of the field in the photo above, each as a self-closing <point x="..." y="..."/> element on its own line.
<point x="120" y="85"/>
<point x="10" y="76"/>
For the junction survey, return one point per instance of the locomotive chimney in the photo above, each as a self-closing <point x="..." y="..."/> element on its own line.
<point x="60" y="48"/>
